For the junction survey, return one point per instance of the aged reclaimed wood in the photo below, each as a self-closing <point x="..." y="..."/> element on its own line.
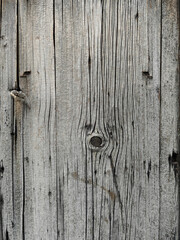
<point x="9" y="207"/>
<point x="107" y="81"/>
<point x="94" y="155"/>
<point x="169" y="118"/>
<point x="37" y="80"/>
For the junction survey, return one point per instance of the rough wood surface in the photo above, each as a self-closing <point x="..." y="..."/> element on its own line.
<point x="169" y="122"/>
<point x="8" y="76"/>
<point x="92" y="71"/>
<point x="37" y="80"/>
<point x="104" y="85"/>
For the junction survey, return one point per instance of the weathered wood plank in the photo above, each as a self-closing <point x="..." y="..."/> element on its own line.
<point x="169" y="119"/>
<point x="37" y="80"/>
<point x="106" y="85"/>
<point x="8" y="67"/>
<point x="94" y="155"/>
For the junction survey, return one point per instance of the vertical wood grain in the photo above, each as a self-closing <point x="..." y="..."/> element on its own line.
<point x="108" y="81"/>
<point x="8" y="70"/>
<point x="102" y="69"/>
<point x="37" y="80"/>
<point x="169" y="122"/>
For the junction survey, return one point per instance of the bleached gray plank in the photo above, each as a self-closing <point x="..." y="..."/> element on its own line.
<point x="169" y="121"/>
<point x="8" y="67"/>
<point x="37" y="80"/>
<point x="112" y="75"/>
<point x="108" y="81"/>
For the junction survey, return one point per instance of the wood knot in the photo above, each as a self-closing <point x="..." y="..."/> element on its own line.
<point x="95" y="141"/>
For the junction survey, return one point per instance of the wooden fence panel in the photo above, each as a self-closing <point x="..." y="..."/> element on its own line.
<point x="91" y="152"/>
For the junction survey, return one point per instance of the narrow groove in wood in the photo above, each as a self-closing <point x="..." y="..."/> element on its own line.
<point x="86" y="196"/>
<point x="160" y="93"/>
<point x="23" y="180"/>
<point x="12" y="150"/>
<point x="57" y="179"/>
<point x="17" y="87"/>
<point x="1" y="6"/>
<point x="178" y="128"/>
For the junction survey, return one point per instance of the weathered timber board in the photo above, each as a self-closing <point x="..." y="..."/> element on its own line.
<point x="169" y="121"/>
<point x="89" y="68"/>
<point x="8" y="76"/>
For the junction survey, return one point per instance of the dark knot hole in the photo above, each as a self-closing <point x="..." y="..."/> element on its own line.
<point x="96" y="141"/>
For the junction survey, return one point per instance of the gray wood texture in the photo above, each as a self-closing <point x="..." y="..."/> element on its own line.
<point x="9" y="211"/>
<point x="169" y="122"/>
<point x="91" y="71"/>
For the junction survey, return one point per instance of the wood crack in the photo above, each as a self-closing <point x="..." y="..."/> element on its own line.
<point x="1" y="6"/>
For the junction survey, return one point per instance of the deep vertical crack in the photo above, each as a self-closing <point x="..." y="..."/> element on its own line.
<point x="54" y="43"/>
<point x="17" y="50"/>
<point x="23" y="207"/>
<point x="0" y="16"/>
<point x="178" y="75"/>
<point x="160" y="93"/>
<point x="17" y="86"/>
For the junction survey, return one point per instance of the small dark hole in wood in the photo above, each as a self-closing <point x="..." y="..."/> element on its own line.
<point x="2" y="168"/>
<point x="145" y="73"/>
<point x="27" y="73"/>
<point x="96" y="141"/>
<point x="7" y="235"/>
<point x="1" y="200"/>
<point x="137" y="15"/>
